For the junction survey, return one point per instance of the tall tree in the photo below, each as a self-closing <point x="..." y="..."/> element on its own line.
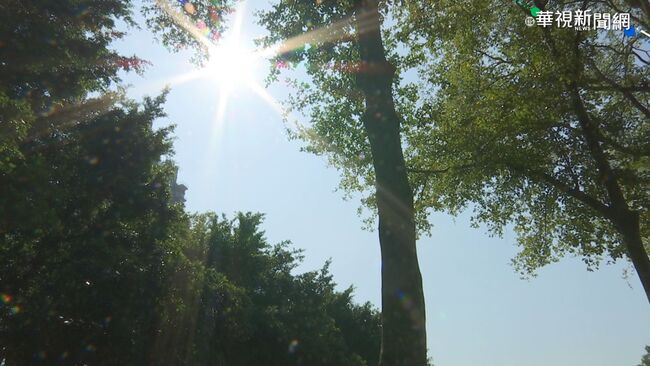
<point x="350" y="32"/>
<point x="543" y="127"/>
<point x="556" y="138"/>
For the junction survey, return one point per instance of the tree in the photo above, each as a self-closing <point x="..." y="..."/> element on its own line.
<point x="52" y="54"/>
<point x="555" y="140"/>
<point x="645" y="361"/>
<point x="84" y="201"/>
<point x="350" y="35"/>
<point x="100" y="265"/>
<point x="241" y="305"/>
<point x="86" y="214"/>
<point x="556" y="137"/>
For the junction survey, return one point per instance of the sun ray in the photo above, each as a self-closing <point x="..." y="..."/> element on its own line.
<point x="291" y="121"/>
<point x="266" y="96"/>
<point x="338" y="31"/>
<point x="232" y="65"/>
<point x="219" y="122"/>
<point x="154" y="86"/>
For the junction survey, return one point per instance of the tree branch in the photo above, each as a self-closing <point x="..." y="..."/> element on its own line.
<point x="440" y="171"/>
<point x="574" y="192"/>
<point x="627" y="93"/>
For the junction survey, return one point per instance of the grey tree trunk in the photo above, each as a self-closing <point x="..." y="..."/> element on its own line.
<point x="625" y="220"/>
<point x="627" y="224"/>
<point x="403" y="312"/>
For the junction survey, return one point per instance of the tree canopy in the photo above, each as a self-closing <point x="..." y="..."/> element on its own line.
<point x="545" y="129"/>
<point x="242" y="305"/>
<point x="645" y="361"/>
<point x="556" y="136"/>
<point x="75" y="36"/>
<point x="101" y="265"/>
<point x="86" y="215"/>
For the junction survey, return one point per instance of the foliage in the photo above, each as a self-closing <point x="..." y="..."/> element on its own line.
<point x="99" y="265"/>
<point x="129" y="278"/>
<point x="645" y="361"/>
<point x="52" y="53"/>
<point x="245" y="305"/>
<point x="350" y="101"/>
<point x="518" y="155"/>
<point x="103" y="268"/>
<point x="188" y="24"/>
<point x="85" y="204"/>
<point x="319" y="39"/>
<point x="85" y="219"/>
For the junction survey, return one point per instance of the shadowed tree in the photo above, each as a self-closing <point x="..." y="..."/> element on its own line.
<point x="52" y="54"/>
<point x="84" y="203"/>
<point x="85" y="217"/>
<point x="242" y="305"/>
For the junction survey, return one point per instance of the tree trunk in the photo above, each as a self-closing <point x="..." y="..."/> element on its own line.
<point x="403" y="313"/>
<point x="628" y="225"/>
<point x="624" y="219"/>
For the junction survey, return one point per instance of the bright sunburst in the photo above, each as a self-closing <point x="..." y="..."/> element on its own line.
<point x="231" y="64"/>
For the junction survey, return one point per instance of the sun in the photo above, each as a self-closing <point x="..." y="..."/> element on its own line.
<point x="231" y="64"/>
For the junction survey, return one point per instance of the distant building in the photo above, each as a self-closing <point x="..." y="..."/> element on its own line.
<point x="178" y="190"/>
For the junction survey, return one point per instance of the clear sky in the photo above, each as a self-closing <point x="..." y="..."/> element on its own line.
<point x="479" y="312"/>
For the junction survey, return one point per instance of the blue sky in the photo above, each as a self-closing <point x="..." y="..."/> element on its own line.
<point x="478" y="310"/>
